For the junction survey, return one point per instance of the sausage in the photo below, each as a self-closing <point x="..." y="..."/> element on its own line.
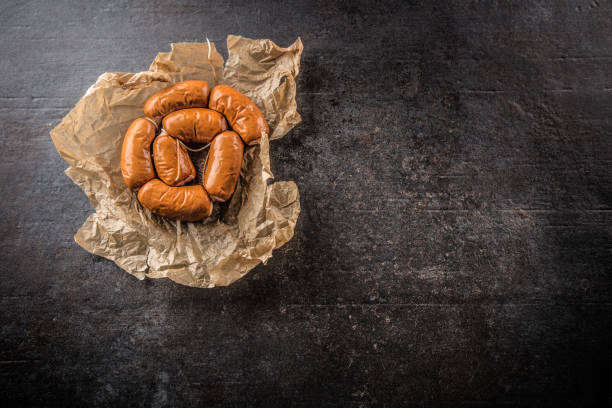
<point x="242" y="114"/>
<point x="185" y="94"/>
<point x="172" y="162"/>
<point x="223" y="167"/>
<point x="136" y="164"/>
<point x="195" y="125"/>
<point x="186" y="203"/>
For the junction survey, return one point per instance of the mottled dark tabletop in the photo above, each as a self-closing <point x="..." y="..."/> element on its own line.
<point x="455" y="240"/>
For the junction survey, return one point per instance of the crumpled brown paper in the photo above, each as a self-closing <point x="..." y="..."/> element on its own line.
<point x="224" y="247"/>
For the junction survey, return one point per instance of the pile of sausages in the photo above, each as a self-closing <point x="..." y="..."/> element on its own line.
<point x="157" y="165"/>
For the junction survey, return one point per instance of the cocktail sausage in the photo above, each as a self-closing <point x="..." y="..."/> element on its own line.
<point x="136" y="164"/>
<point x="241" y="113"/>
<point x="185" y="94"/>
<point x="185" y="203"/>
<point x="223" y="167"/>
<point x="195" y="125"/>
<point x="172" y="162"/>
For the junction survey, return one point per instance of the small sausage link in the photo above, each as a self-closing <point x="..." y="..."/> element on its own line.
<point x="136" y="164"/>
<point x="172" y="162"/>
<point x="185" y="203"/>
<point x="223" y="167"/>
<point x="185" y="94"/>
<point x="241" y="113"/>
<point x="195" y="125"/>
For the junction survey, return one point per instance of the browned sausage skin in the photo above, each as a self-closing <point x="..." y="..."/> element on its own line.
<point x="136" y="164"/>
<point x="224" y="164"/>
<point x="195" y="125"/>
<point x="242" y="114"/>
<point x="172" y="162"/>
<point x="186" y="203"/>
<point x="183" y="109"/>
<point x="185" y="94"/>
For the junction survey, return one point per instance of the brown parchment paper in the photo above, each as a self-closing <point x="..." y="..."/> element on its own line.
<point x="260" y="217"/>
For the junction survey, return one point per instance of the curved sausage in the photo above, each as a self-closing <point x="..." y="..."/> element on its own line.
<point x="242" y="114"/>
<point x="185" y="94"/>
<point x="172" y="162"/>
<point x="195" y="125"/>
<point x="136" y="164"/>
<point x="223" y="167"/>
<point x="186" y="203"/>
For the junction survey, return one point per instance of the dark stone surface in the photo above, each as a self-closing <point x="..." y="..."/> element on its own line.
<point x="455" y="240"/>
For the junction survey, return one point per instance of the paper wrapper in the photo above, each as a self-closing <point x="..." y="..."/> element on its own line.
<point x="260" y="217"/>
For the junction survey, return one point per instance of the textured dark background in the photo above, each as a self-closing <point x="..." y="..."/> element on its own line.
<point x="455" y="240"/>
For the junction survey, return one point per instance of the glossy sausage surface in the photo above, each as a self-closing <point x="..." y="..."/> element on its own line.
<point x="223" y="167"/>
<point x="241" y="113"/>
<point x="186" y="203"/>
<point x="195" y="125"/>
<point x="185" y="94"/>
<point x="172" y="162"/>
<point x="136" y="164"/>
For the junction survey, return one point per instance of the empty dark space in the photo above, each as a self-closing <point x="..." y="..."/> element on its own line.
<point x="455" y="242"/>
